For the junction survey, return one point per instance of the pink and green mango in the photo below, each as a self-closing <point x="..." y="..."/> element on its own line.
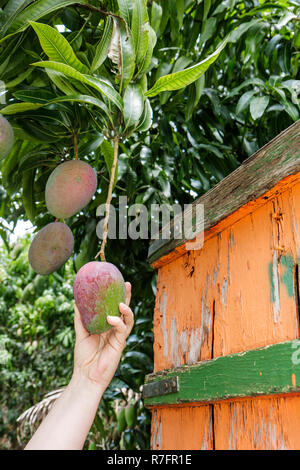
<point x="69" y="188"/>
<point x="98" y="289"/>
<point x="6" y="137"/>
<point x="51" y="248"/>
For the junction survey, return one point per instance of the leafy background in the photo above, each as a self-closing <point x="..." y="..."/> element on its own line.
<point x="199" y="134"/>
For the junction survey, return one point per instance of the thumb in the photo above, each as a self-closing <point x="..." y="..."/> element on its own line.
<point x="80" y="331"/>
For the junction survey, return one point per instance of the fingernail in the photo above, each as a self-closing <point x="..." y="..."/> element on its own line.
<point x="111" y="318"/>
<point x="122" y="305"/>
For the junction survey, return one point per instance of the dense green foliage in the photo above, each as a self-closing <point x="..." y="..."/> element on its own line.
<point x="36" y="353"/>
<point x="36" y="335"/>
<point x="199" y="134"/>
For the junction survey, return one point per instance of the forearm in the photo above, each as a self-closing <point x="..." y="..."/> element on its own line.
<point x="69" y="421"/>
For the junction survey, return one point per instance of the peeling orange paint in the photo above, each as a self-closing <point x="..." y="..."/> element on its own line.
<point x="258" y="423"/>
<point x="233" y="295"/>
<point x="192" y="428"/>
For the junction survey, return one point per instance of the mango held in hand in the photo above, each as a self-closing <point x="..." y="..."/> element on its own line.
<point x="98" y="289"/>
<point x="69" y="188"/>
<point x="51" y="248"/>
<point x="6" y="137"/>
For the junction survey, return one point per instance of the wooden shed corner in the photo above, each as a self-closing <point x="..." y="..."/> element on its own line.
<point x="227" y="316"/>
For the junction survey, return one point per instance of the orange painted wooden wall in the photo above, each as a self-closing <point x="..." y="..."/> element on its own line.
<point x="239" y="292"/>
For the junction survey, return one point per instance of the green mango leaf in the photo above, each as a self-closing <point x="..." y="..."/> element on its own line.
<point x="5" y="237"/>
<point x="122" y="53"/>
<point x="256" y="34"/>
<point x="285" y="18"/>
<point x="13" y="6"/>
<point x="126" y="8"/>
<point x="16" y="81"/>
<point x="133" y="105"/>
<point x="35" y="11"/>
<point x="37" y="95"/>
<point x="146" y="61"/>
<point x="11" y="10"/>
<point x="289" y="108"/>
<point x="292" y="110"/>
<point x="194" y="95"/>
<point x="87" y="99"/>
<point x="206" y="8"/>
<point x="99" y="425"/>
<point x="199" y="86"/>
<point x="208" y="31"/>
<point x="180" y="12"/>
<point x="249" y="81"/>
<point x="212" y="149"/>
<point x="34" y="160"/>
<point x="101" y="85"/>
<point x="156" y="14"/>
<point x="127" y="57"/>
<point x="146" y="118"/>
<point x="100" y="198"/>
<point x="236" y="34"/>
<point x="114" y="52"/>
<point x="272" y="45"/>
<point x="90" y="144"/>
<point x="9" y="164"/>
<point x="244" y="101"/>
<point x="140" y="29"/>
<point x="23" y="107"/>
<point x="20" y="108"/>
<point x="183" y="78"/>
<point x="181" y="63"/>
<point x="28" y="193"/>
<point x="61" y="82"/>
<point x="51" y="119"/>
<point x="103" y="46"/>
<point x="57" y="47"/>
<point x="258" y="106"/>
<point x="106" y="88"/>
<point x="41" y="133"/>
<point x="136" y="358"/>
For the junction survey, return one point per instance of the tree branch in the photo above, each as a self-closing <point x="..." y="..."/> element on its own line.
<point x="103" y="12"/>
<point x="108" y="199"/>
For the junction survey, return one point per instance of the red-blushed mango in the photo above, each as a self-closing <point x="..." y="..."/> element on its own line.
<point x="51" y="248"/>
<point x="6" y="137"/>
<point x="69" y="188"/>
<point x="98" y="289"/>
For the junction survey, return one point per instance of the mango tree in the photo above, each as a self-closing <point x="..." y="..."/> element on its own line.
<point x="121" y="93"/>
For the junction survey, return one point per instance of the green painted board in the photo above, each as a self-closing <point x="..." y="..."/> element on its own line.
<point x="274" y="369"/>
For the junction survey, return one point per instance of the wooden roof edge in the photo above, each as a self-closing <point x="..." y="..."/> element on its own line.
<point x="273" y="162"/>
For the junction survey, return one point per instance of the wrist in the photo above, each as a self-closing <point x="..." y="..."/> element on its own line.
<point x="82" y="384"/>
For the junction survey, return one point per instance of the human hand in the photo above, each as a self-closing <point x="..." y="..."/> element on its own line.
<point x="96" y="357"/>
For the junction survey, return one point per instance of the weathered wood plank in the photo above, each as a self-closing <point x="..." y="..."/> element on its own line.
<point x="182" y="428"/>
<point x="261" y="423"/>
<point x="274" y="162"/>
<point x="274" y="369"/>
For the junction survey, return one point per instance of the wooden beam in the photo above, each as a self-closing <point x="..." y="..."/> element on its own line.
<point x="278" y="159"/>
<point x="274" y="369"/>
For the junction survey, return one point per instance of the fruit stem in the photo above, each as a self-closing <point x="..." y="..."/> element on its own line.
<point x="108" y="199"/>
<point x="75" y="145"/>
